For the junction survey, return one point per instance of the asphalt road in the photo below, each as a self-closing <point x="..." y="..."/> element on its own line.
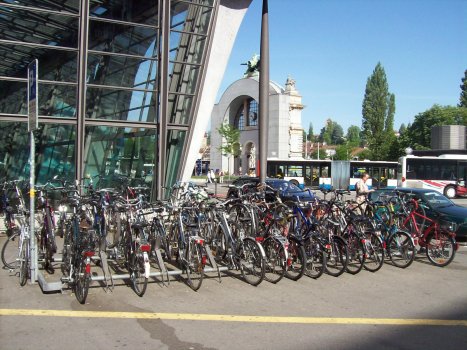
<point x="421" y="307"/>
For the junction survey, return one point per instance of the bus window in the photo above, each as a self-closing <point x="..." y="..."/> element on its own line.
<point x="307" y="175"/>
<point x="325" y="171"/>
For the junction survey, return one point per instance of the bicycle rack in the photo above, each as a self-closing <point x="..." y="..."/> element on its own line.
<point x="213" y="261"/>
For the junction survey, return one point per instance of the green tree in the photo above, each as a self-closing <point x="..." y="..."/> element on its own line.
<point x="343" y="152"/>
<point x="353" y="136"/>
<point x="378" y="110"/>
<point x="230" y="141"/>
<point x="463" y="97"/>
<point x="418" y="134"/>
<point x="402" y="129"/>
<point x="332" y="133"/>
<point x="310" y="136"/>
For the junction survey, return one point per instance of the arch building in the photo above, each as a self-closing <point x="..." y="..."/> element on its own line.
<point x="238" y="106"/>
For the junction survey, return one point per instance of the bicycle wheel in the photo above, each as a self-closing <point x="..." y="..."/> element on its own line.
<point x="82" y="278"/>
<point x="356" y="253"/>
<point x="139" y="282"/>
<point x="113" y="227"/>
<point x="24" y="263"/>
<point x="195" y="268"/>
<point x="337" y="256"/>
<point x="296" y="263"/>
<point x="374" y="252"/>
<point x="251" y="261"/>
<point x="275" y="263"/>
<point x="315" y="257"/>
<point x="10" y="251"/>
<point x="218" y="244"/>
<point x="241" y="215"/>
<point x="401" y="249"/>
<point x="440" y="248"/>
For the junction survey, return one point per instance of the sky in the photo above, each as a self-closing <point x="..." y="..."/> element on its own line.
<point x="331" y="47"/>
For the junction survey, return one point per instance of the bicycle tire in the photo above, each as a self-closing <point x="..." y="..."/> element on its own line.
<point x="440" y="248"/>
<point x="374" y="252"/>
<point x="24" y="264"/>
<point x="251" y="261"/>
<point x="337" y="256"/>
<point x="240" y="214"/>
<point x="401" y="249"/>
<point x="297" y="260"/>
<point x="315" y="257"/>
<point x="356" y="257"/>
<point x="82" y="280"/>
<point x="10" y="251"/>
<point x="195" y="267"/>
<point x="275" y="263"/>
<point x="218" y="244"/>
<point x="139" y="281"/>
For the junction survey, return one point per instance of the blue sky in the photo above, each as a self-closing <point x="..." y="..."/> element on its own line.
<point x="330" y="47"/>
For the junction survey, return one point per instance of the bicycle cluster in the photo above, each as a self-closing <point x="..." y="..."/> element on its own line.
<point x="117" y="230"/>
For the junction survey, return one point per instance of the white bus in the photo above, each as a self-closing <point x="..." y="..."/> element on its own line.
<point x="445" y="174"/>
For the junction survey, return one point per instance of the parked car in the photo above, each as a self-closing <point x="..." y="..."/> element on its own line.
<point x="436" y="204"/>
<point x="286" y="190"/>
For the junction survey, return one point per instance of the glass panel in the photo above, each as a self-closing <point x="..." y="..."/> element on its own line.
<point x="117" y="38"/>
<point x="122" y="71"/>
<point x="56" y="5"/>
<point x="175" y="143"/>
<point x="57" y="100"/>
<point x="55" y="151"/>
<point x="126" y="151"/>
<point x="13" y="97"/>
<point x="252" y="112"/>
<point x="179" y="108"/>
<point x="183" y="78"/>
<point x="54" y="64"/>
<point x="186" y="47"/>
<point x="120" y="104"/>
<point x="144" y="12"/>
<point x="190" y="17"/>
<point x="39" y="28"/>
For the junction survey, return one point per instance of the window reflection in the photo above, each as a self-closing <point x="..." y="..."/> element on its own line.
<point x="55" y="151"/>
<point x="144" y="12"/>
<point x="125" y="151"/>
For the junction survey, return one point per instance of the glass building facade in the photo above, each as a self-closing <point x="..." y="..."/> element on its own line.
<point x="118" y="85"/>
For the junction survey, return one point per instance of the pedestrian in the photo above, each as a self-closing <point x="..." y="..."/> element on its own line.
<point x="221" y="176"/>
<point x="208" y="174"/>
<point x="213" y="176"/>
<point x="362" y="191"/>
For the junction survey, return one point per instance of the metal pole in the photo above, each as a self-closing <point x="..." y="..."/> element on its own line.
<point x="163" y="96"/>
<point x="32" y="236"/>
<point x="263" y="103"/>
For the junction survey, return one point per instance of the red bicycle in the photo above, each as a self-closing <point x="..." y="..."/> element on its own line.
<point x="435" y="235"/>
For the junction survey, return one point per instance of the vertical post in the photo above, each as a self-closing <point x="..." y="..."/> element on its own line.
<point x="263" y="104"/>
<point x="32" y="125"/>
<point x="81" y="92"/>
<point x="163" y="99"/>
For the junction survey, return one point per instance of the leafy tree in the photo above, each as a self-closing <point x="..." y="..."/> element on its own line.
<point x="230" y="141"/>
<point x="337" y="136"/>
<point x="311" y="136"/>
<point x="322" y="154"/>
<point x="418" y="134"/>
<point x="378" y="110"/>
<point x="353" y="135"/>
<point x="343" y="152"/>
<point x="463" y="97"/>
<point x="402" y="129"/>
<point x="332" y="133"/>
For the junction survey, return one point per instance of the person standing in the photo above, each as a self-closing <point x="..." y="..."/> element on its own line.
<point x="362" y="191"/>
<point x="208" y="174"/>
<point x="213" y="176"/>
<point x="221" y="177"/>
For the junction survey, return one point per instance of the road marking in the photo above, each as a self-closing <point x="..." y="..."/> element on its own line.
<point x="233" y="318"/>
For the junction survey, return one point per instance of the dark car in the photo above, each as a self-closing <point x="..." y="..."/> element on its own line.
<point x="436" y="204"/>
<point x="287" y="191"/>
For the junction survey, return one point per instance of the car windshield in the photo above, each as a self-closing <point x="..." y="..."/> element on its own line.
<point x="284" y="186"/>
<point x="437" y="200"/>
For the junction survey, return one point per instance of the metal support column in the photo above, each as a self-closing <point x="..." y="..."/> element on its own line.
<point x="163" y="99"/>
<point x="81" y="93"/>
<point x="263" y="103"/>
